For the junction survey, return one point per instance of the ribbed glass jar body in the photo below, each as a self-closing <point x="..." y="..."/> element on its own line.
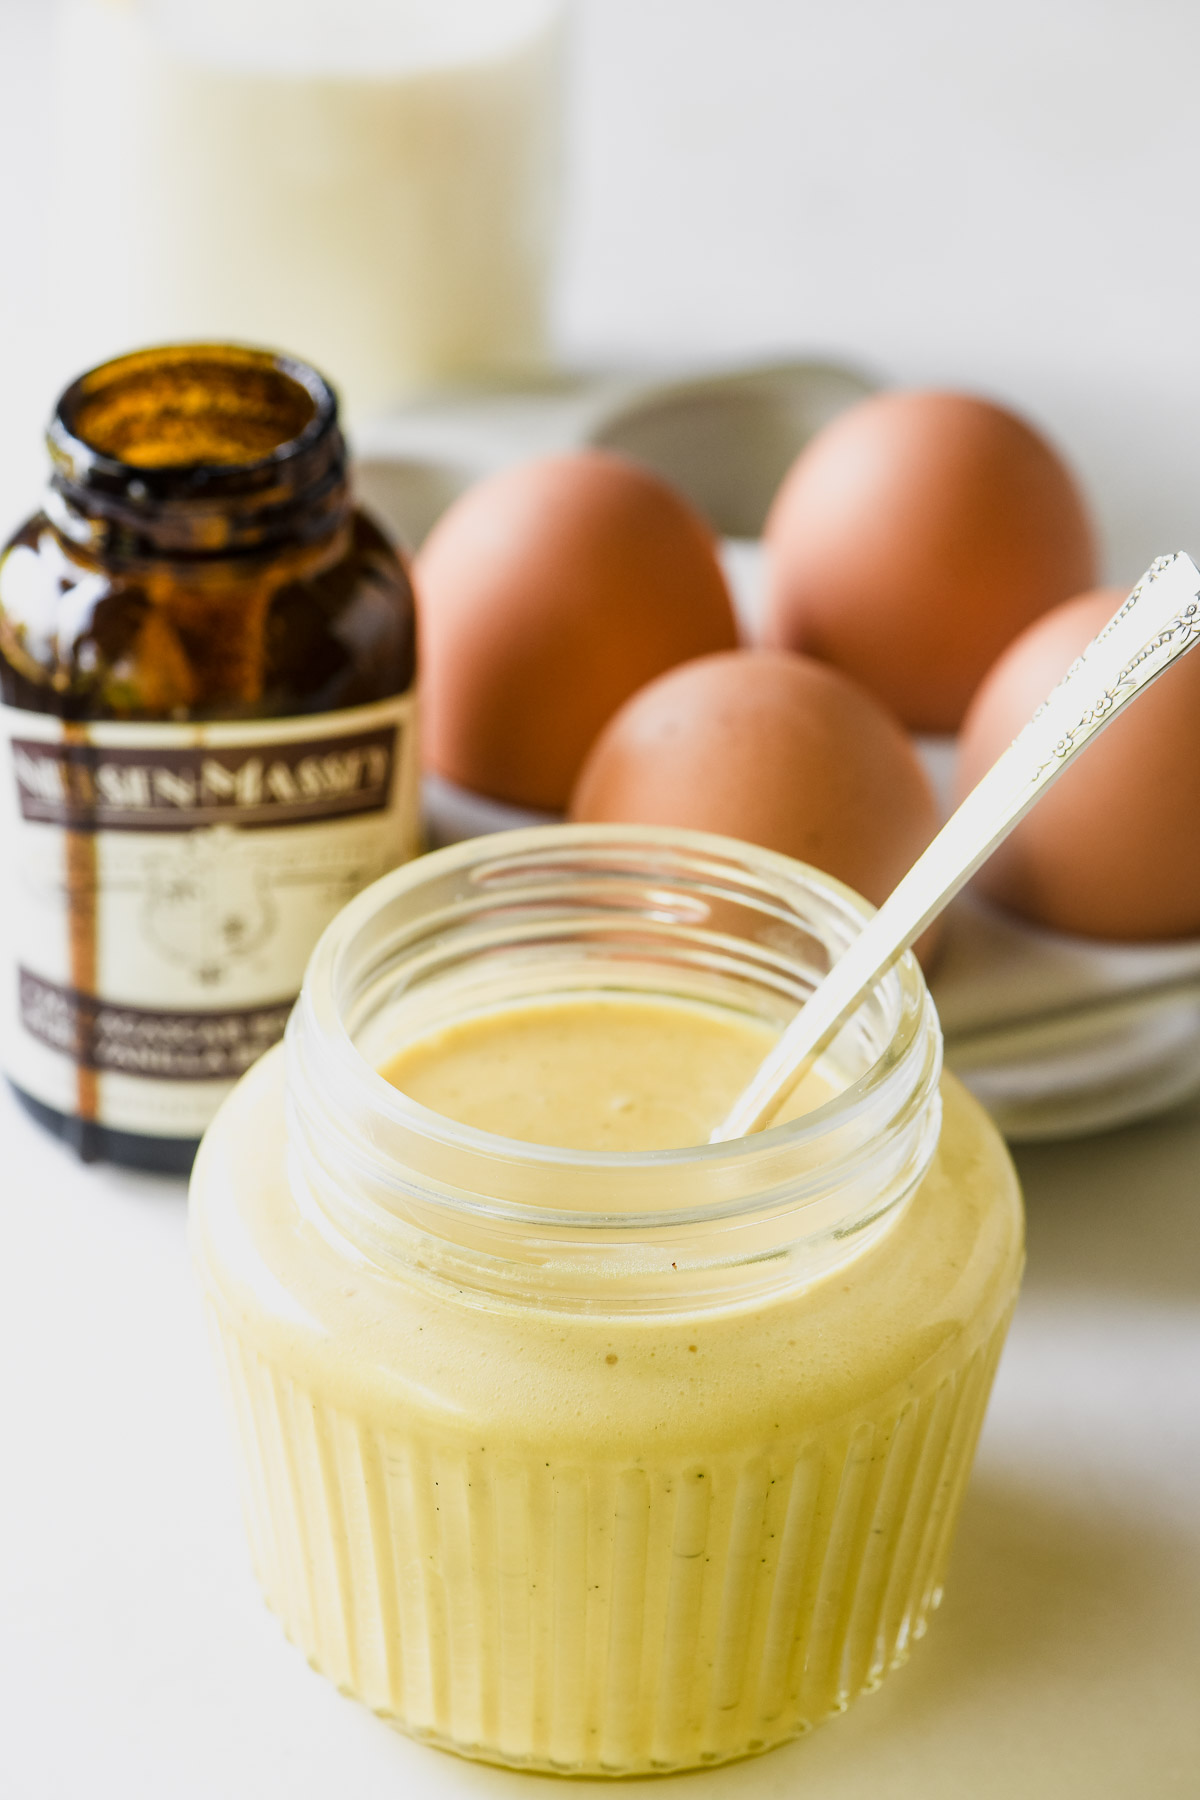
<point x="207" y="669"/>
<point x="600" y="1463"/>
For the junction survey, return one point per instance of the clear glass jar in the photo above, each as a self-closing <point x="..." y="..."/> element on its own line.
<point x="374" y="184"/>
<point x="602" y="1463"/>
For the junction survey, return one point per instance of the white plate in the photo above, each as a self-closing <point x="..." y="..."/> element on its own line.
<point x="1056" y="1035"/>
<point x="724" y="438"/>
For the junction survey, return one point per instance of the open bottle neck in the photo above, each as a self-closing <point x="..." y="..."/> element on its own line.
<point x="197" y="452"/>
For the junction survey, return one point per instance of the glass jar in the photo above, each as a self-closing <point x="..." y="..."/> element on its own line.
<point x="377" y="181"/>
<point x="589" y="1462"/>
<point x="206" y="737"/>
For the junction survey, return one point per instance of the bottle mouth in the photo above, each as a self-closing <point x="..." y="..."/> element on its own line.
<point x="588" y="909"/>
<point x="197" y="450"/>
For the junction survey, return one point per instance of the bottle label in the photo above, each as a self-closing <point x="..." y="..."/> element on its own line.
<point x="162" y="886"/>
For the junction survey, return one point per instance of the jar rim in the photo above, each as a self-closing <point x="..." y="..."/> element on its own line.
<point x="68" y="438"/>
<point x="323" y="972"/>
<point x="290" y="485"/>
<point x="395" y="1176"/>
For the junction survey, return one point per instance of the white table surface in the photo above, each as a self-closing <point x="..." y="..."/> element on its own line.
<point x="137" y="1660"/>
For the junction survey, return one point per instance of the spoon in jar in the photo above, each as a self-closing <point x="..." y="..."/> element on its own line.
<point x="1155" y="626"/>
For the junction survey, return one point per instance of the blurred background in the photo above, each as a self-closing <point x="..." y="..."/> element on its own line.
<point x="993" y="198"/>
<point x="999" y="199"/>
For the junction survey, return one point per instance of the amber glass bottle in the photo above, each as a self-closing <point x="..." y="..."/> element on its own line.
<point x="207" y="737"/>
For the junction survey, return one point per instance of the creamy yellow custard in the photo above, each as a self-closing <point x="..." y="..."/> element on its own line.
<point x="600" y="1072"/>
<point x="588" y="1536"/>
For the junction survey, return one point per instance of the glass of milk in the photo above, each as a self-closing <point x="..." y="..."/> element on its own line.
<point x="371" y="184"/>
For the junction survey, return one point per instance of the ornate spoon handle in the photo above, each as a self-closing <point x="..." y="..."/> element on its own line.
<point x="1156" y="625"/>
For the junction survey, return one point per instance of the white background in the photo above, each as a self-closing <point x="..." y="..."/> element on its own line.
<point x="1002" y="198"/>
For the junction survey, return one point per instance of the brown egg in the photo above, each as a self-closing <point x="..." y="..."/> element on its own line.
<point x="776" y="749"/>
<point x="1113" y="850"/>
<point x="913" y="539"/>
<point x="548" y="594"/>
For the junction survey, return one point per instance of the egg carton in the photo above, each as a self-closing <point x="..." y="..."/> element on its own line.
<point x="1058" y="1036"/>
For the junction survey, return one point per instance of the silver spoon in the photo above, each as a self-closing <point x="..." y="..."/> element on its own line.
<point x="1155" y="626"/>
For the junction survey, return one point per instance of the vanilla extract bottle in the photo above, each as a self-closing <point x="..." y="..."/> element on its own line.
<point x="207" y="737"/>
